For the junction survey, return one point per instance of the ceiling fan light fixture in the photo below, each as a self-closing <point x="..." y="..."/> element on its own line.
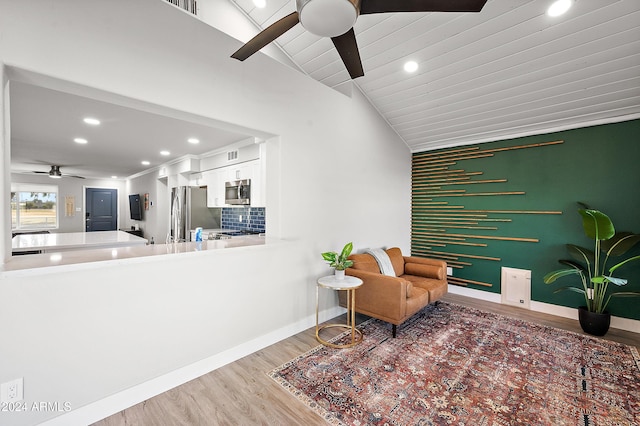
<point x="54" y="173"/>
<point x="327" y="18"/>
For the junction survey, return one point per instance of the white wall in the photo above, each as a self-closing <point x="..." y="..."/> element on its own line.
<point x="81" y="335"/>
<point x="5" y="161"/>
<point x="337" y="173"/>
<point x="155" y="220"/>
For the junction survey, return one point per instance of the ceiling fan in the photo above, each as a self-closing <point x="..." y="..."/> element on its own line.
<point x="336" y="18"/>
<point x="56" y="173"/>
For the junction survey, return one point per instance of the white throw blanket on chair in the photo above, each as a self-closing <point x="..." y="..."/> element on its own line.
<point x="383" y="260"/>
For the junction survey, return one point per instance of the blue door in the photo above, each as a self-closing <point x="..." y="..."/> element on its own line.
<point x="101" y="212"/>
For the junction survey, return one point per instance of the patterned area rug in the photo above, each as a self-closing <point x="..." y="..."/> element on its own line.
<point x="453" y="365"/>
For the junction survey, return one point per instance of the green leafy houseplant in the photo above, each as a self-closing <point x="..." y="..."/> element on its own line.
<point x="591" y="265"/>
<point x="339" y="261"/>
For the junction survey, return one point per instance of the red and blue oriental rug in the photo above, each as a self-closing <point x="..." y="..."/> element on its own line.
<point x="453" y="365"/>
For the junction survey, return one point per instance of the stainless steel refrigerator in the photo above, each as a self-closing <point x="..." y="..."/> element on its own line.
<point x="189" y="211"/>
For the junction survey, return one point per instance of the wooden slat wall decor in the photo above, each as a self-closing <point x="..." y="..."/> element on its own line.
<point x="436" y="224"/>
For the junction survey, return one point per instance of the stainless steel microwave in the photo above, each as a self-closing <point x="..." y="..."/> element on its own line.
<point x="238" y="192"/>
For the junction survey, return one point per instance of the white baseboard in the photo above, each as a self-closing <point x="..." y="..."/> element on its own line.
<point x="476" y="294"/>
<point x="546" y="308"/>
<point x="113" y="404"/>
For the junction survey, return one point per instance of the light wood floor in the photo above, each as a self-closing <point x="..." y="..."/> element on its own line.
<point x="241" y="393"/>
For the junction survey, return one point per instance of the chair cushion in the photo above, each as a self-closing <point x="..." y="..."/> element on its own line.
<point x="435" y="288"/>
<point x="384" y="262"/>
<point x="396" y="260"/>
<point x="410" y="290"/>
<point x="365" y="262"/>
<point x="418" y="300"/>
<point x="428" y="271"/>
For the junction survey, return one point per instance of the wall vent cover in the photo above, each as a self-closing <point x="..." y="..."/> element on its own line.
<point x="232" y="155"/>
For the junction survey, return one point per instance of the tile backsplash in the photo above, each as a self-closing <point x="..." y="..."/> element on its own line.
<point x="238" y="218"/>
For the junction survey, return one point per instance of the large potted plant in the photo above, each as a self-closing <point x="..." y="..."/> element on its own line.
<point x="591" y="266"/>
<point x="339" y="261"/>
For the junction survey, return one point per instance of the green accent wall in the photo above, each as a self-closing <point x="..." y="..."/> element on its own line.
<point x="529" y="203"/>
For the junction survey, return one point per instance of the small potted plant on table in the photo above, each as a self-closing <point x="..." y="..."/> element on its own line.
<point x="339" y="261"/>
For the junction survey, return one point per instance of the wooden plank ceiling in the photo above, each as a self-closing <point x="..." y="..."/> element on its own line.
<point x="510" y="70"/>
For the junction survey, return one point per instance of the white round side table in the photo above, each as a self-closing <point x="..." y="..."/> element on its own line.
<point x="349" y="284"/>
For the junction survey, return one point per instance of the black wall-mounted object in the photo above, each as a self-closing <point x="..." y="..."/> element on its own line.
<point x="135" y="207"/>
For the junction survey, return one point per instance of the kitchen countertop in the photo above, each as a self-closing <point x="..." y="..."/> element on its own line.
<point x="206" y="232"/>
<point x="73" y="241"/>
<point x="53" y="259"/>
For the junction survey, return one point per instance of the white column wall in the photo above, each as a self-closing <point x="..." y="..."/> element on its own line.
<point x="339" y="174"/>
<point x="5" y="160"/>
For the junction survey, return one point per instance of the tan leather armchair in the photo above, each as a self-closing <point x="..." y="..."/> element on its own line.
<point x="418" y="282"/>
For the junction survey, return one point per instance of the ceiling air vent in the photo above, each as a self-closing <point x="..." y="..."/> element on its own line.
<point x="232" y="155"/>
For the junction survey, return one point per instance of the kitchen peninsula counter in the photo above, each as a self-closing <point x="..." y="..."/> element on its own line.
<point x="67" y="241"/>
<point x="87" y="257"/>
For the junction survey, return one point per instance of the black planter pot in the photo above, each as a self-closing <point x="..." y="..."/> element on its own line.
<point x="594" y="323"/>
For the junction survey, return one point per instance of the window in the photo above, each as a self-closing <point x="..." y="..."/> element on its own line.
<point x="34" y="206"/>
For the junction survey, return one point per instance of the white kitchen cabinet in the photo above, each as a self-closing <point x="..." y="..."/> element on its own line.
<point x="257" y="184"/>
<point x="214" y="180"/>
<point x="240" y="171"/>
<point x="195" y="179"/>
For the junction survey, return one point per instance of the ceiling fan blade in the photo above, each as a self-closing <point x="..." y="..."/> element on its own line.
<point x="348" y="49"/>
<point x="266" y="36"/>
<point x="382" y="6"/>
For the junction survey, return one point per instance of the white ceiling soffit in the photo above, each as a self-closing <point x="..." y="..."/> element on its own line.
<point x="507" y="71"/>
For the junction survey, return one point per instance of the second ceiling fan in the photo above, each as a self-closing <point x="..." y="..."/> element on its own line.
<point x="336" y="18"/>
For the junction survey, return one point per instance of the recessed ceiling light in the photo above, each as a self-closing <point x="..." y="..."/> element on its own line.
<point x="193" y="140"/>
<point x="411" y="66"/>
<point x="92" y="121"/>
<point x="260" y="3"/>
<point x="559" y="7"/>
<point x="80" y="141"/>
<point x="114" y="177"/>
<point x="165" y="153"/>
<point x="145" y="163"/>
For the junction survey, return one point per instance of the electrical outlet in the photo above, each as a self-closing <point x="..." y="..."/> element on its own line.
<point x="449" y="271"/>
<point x="12" y="391"/>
